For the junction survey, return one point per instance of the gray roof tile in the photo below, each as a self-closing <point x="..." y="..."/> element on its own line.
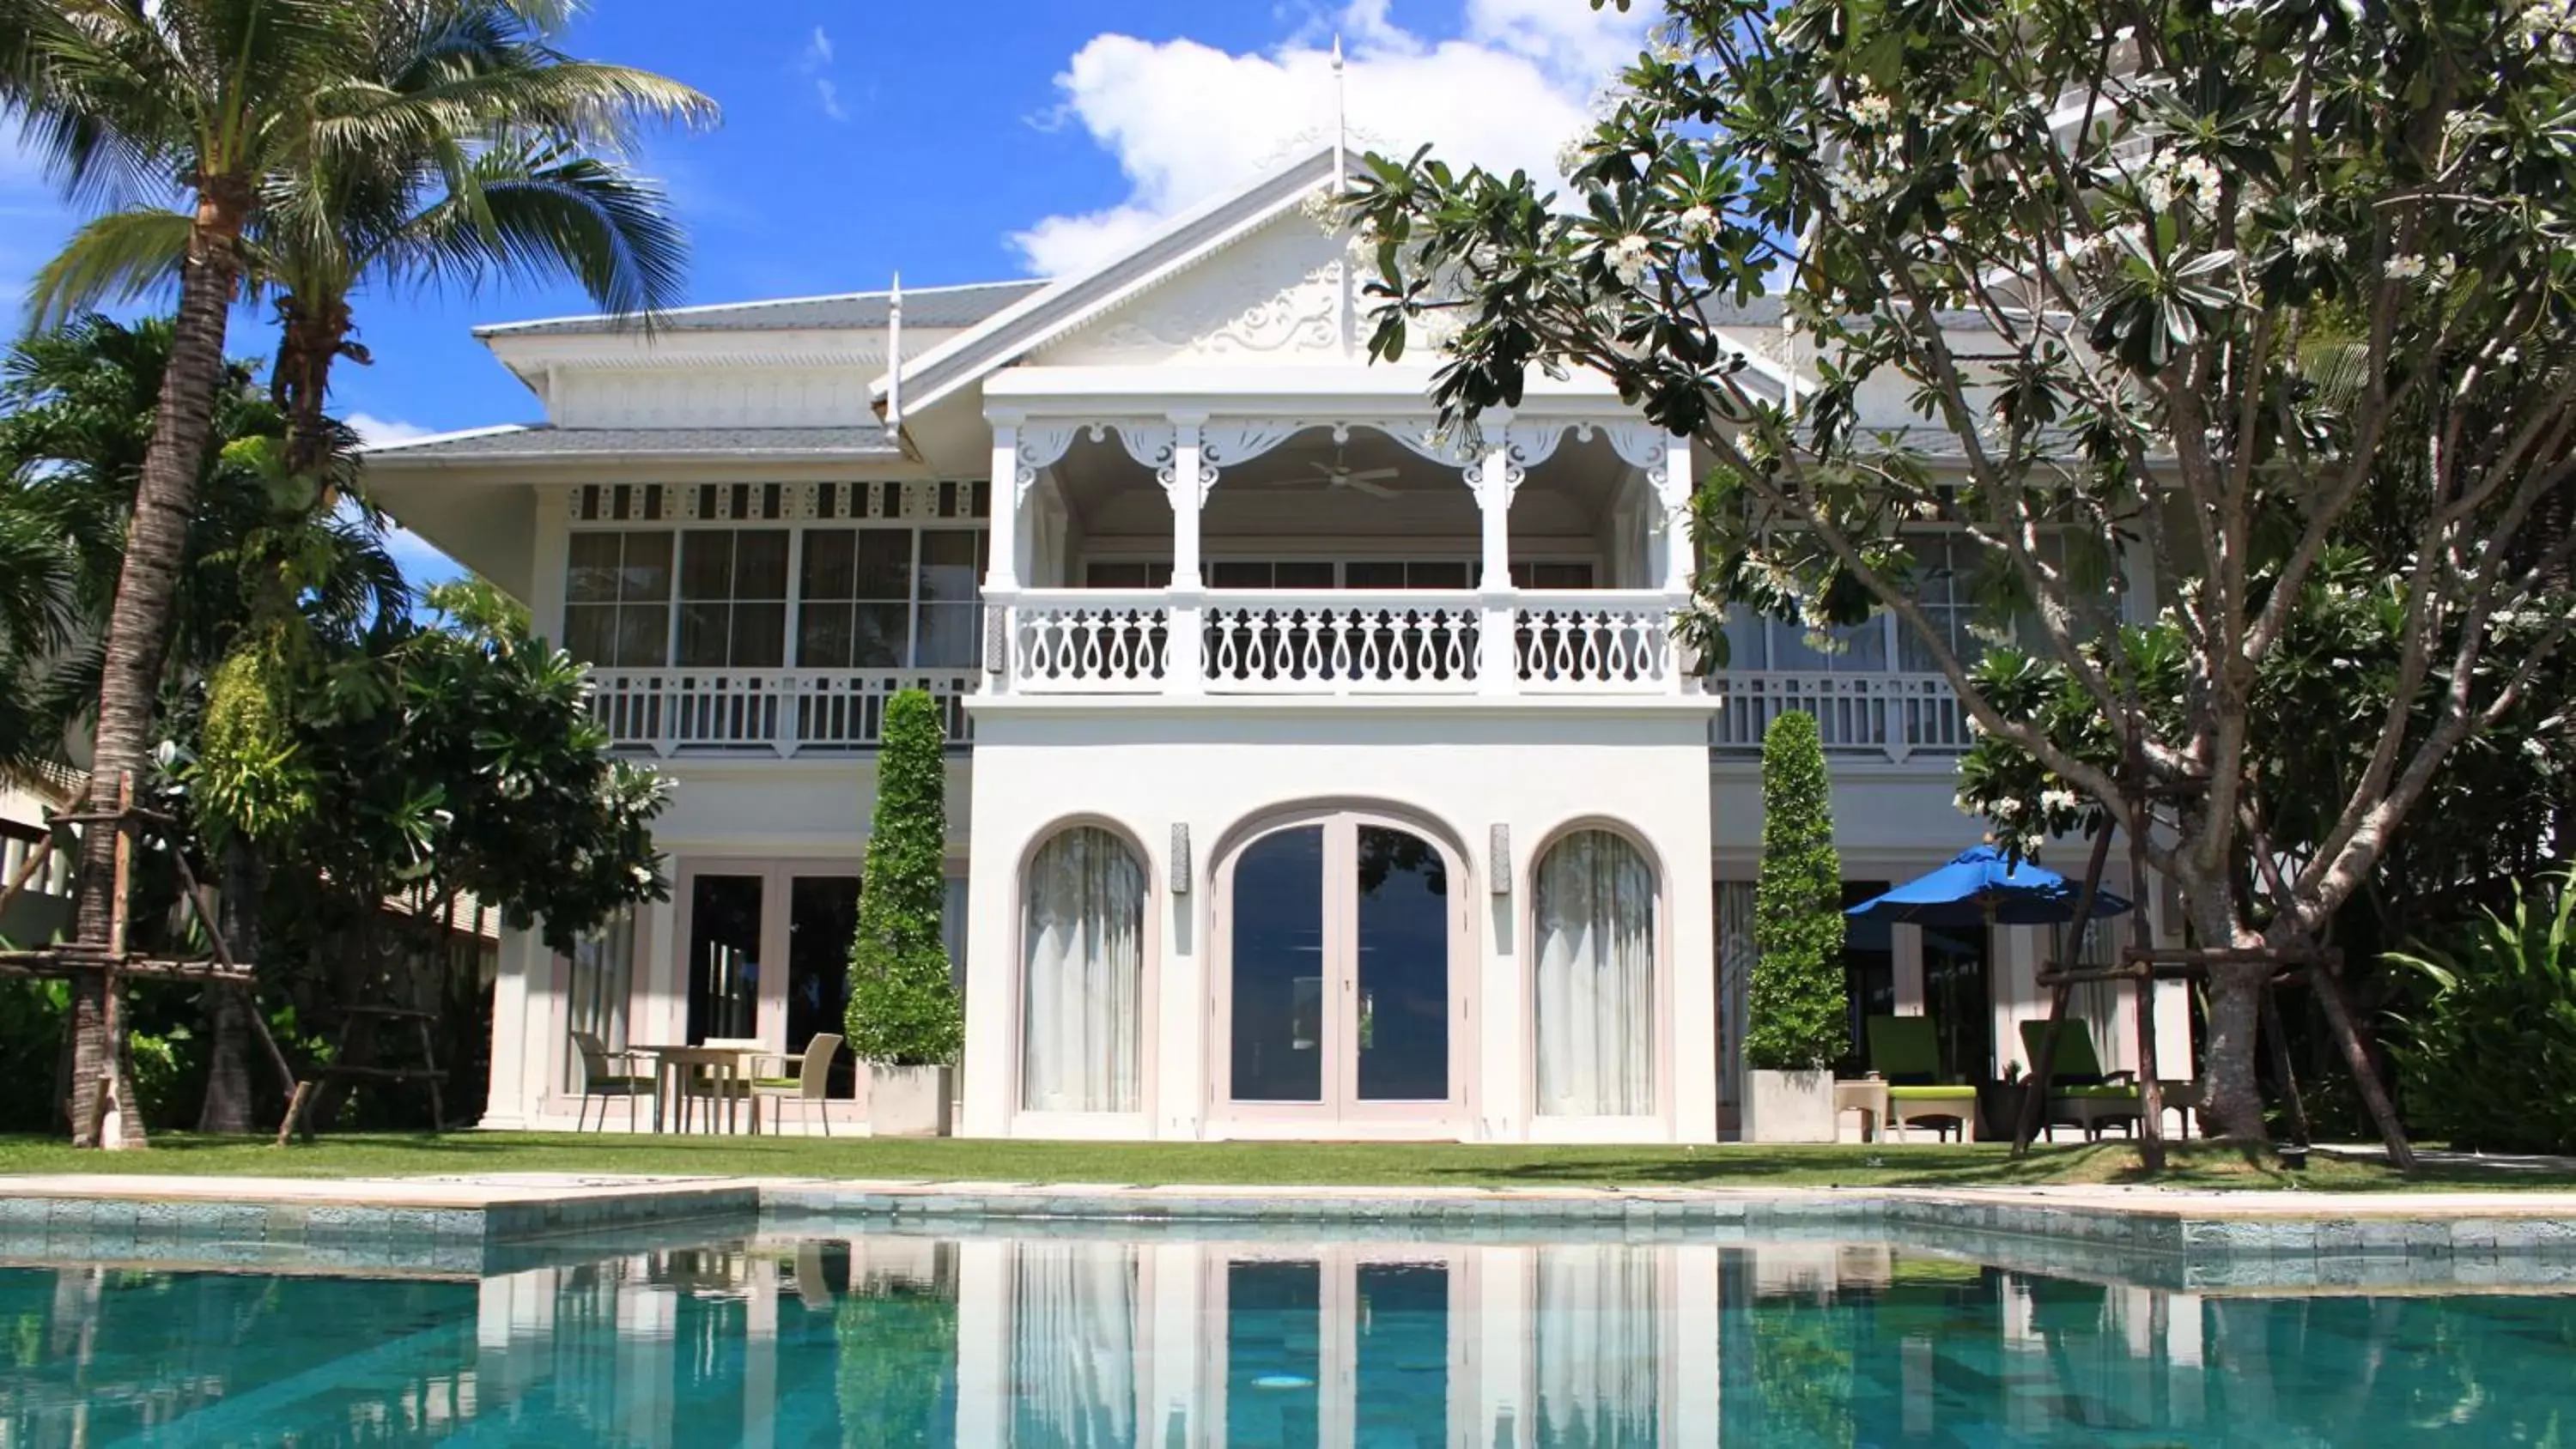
<point x="856" y="311"/>
<point x="552" y="442"/>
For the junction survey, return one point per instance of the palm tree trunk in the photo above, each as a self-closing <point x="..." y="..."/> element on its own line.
<point x="227" y="1107"/>
<point x="313" y="334"/>
<point x="138" y="625"/>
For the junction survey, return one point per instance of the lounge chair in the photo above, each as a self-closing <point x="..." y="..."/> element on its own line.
<point x="2080" y="1093"/>
<point x="1906" y="1054"/>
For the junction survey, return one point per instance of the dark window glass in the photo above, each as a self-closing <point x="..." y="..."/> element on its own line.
<point x="1278" y="1046"/>
<point x="615" y="590"/>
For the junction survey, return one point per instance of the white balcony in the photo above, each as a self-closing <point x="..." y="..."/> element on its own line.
<point x="1337" y="642"/>
<point x="1890" y="715"/>
<point x="779" y="712"/>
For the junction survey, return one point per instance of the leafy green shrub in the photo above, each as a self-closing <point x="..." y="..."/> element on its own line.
<point x="903" y="1009"/>
<point x="1795" y="1012"/>
<point x="2490" y="1060"/>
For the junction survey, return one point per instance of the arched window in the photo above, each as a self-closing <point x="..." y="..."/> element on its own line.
<point x="1082" y="963"/>
<point x="1595" y="987"/>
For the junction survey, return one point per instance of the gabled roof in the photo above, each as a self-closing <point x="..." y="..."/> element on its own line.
<point x="1066" y="304"/>
<point x="961" y="306"/>
<point x="543" y="442"/>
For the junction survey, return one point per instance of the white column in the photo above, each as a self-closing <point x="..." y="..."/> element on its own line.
<point x="1497" y="667"/>
<point x="1674" y="495"/>
<point x="507" y="1103"/>
<point x="1002" y="550"/>
<point x="1184" y="670"/>
<point x="553" y="560"/>
<point x="1002" y="572"/>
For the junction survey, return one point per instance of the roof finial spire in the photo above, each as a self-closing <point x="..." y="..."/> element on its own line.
<point x="894" y="362"/>
<point x="1341" y="114"/>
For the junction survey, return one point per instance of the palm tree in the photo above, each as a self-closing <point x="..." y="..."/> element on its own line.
<point x="76" y="421"/>
<point x="238" y="102"/>
<point x="526" y="202"/>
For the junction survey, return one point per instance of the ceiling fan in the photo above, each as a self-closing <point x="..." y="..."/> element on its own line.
<point x="1339" y="474"/>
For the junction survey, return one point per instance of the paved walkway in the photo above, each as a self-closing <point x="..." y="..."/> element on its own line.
<point x="523" y="1189"/>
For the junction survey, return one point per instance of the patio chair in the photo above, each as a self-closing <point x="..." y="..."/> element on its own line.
<point x="601" y="1079"/>
<point x="2080" y="1093"/>
<point x="809" y="1085"/>
<point x="1906" y="1054"/>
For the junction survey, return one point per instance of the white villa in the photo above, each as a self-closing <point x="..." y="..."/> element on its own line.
<point x="1314" y="775"/>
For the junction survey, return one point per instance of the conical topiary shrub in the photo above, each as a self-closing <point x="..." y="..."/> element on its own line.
<point x="1795" y="1012"/>
<point x="903" y="1009"/>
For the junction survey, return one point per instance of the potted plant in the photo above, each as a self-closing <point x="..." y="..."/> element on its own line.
<point x="1795" y="1015"/>
<point x="904" y="1021"/>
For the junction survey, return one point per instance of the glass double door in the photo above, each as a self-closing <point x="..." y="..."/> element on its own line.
<point x="769" y="953"/>
<point x="1341" y="994"/>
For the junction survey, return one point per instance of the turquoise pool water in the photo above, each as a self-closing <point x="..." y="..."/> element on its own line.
<point x="875" y="1338"/>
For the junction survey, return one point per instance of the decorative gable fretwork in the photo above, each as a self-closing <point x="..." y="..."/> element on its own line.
<point x="912" y="500"/>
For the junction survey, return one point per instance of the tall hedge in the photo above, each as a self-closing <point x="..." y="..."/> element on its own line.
<point x="1796" y="1016"/>
<point x="903" y="1009"/>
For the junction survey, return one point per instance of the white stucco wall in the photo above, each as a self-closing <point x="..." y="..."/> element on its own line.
<point x="1458" y="768"/>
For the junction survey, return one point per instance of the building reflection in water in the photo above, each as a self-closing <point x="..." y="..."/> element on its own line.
<point x="1072" y="1341"/>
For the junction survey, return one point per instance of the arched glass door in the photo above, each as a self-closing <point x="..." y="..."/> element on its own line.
<point x="1342" y="990"/>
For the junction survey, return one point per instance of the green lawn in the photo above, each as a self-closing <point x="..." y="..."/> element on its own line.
<point x="1327" y="1164"/>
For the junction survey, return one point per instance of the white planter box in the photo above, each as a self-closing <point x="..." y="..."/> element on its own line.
<point x="907" y="1101"/>
<point x="1789" y="1107"/>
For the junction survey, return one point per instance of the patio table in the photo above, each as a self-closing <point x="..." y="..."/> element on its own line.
<point x="672" y="1066"/>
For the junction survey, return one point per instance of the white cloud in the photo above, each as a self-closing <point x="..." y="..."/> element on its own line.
<point x="1187" y="121"/>
<point x="373" y="430"/>
<point x="815" y="63"/>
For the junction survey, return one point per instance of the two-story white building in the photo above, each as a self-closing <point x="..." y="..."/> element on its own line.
<point x="1316" y="774"/>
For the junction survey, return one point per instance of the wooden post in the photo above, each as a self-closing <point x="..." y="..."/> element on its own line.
<point x="37" y="855"/>
<point x="2151" y="1092"/>
<point x="2034" y="1096"/>
<point x="2292" y="1105"/>
<point x="2326" y="976"/>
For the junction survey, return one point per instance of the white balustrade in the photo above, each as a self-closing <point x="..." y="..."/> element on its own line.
<point x="1595" y="641"/>
<point x="1089" y="641"/>
<point x="1893" y="715"/>
<point x="781" y="711"/>
<point x="1337" y="641"/>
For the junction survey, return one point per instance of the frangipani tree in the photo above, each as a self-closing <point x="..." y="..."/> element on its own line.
<point x="2189" y="300"/>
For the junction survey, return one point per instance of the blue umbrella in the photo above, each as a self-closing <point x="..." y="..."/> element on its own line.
<point x="1982" y="887"/>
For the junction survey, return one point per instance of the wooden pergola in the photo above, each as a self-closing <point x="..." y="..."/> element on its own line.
<point x="117" y="964"/>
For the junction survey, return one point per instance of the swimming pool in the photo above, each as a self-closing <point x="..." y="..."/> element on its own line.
<point x="864" y="1334"/>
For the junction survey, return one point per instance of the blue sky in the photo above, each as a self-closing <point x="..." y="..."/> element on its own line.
<point x="962" y="142"/>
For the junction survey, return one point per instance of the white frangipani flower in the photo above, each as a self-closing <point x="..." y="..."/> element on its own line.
<point x="2059" y="800"/>
<point x="2405" y="268"/>
<point x="1870" y="108"/>
<point x="1628" y="257"/>
<point x="2312" y="243"/>
<point x="1571" y="156"/>
<point x="1698" y="224"/>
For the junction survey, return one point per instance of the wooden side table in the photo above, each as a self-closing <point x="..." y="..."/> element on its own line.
<point x="1868" y="1097"/>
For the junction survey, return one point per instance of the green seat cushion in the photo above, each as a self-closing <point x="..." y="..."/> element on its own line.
<point x="619" y="1086"/>
<point x="1932" y="1094"/>
<point x="776" y="1082"/>
<point x="2098" y="1094"/>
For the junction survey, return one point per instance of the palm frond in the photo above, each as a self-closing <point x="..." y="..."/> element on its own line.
<point x="119" y="258"/>
<point x="533" y="218"/>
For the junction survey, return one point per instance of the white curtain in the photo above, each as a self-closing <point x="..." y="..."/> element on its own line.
<point x="1596" y="1346"/>
<point x="599" y="986"/>
<point x="1596" y="978"/>
<point x="1083" y="961"/>
<point x="1734" y="983"/>
<point x="1073" y="1345"/>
